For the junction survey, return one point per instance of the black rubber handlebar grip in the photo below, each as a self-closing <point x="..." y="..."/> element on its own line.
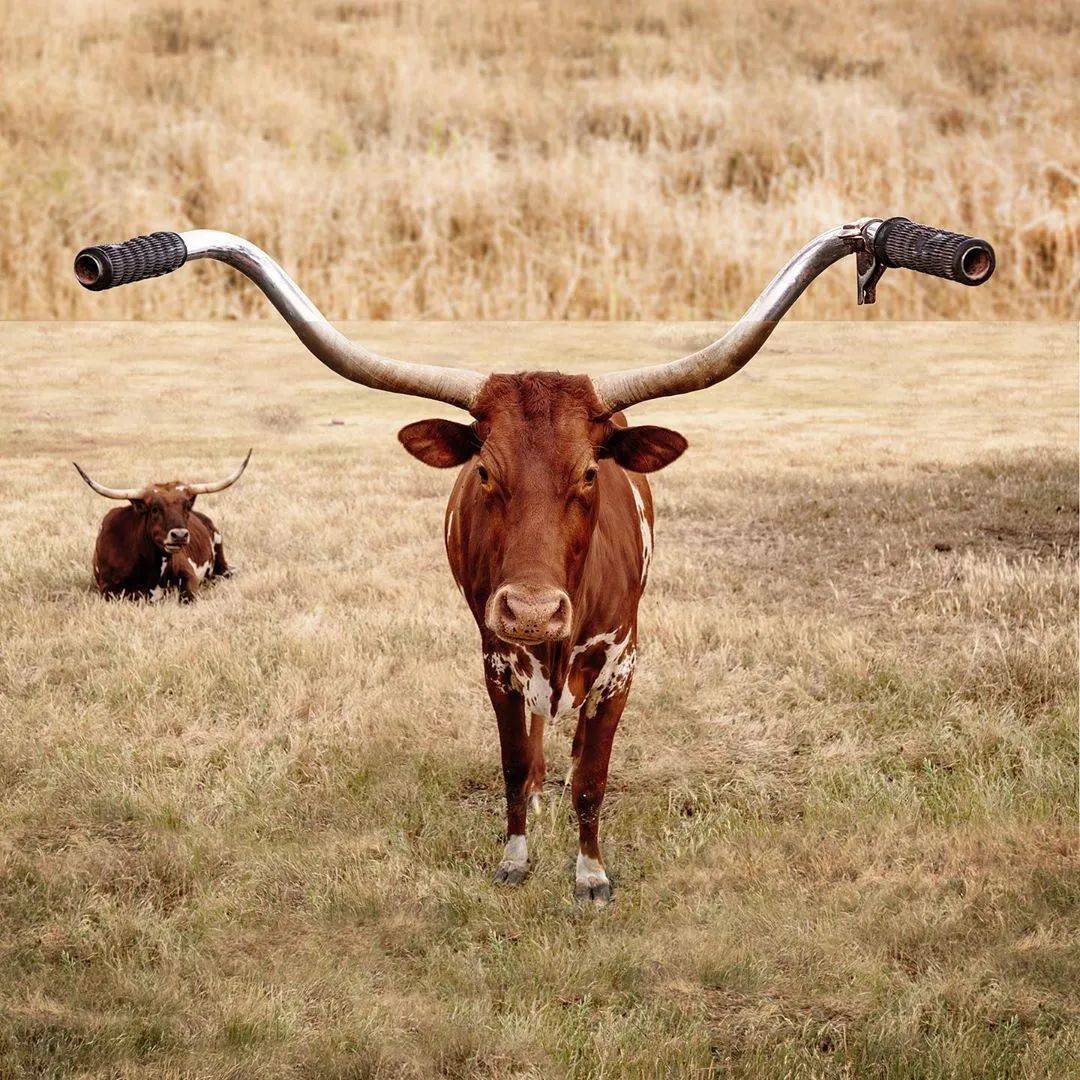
<point x="105" y="266"/>
<point x="899" y="242"/>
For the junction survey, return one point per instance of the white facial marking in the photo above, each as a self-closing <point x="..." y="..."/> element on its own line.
<point x="646" y="531"/>
<point x="589" y="872"/>
<point x="449" y="528"/>
<point x="516" y="851"/>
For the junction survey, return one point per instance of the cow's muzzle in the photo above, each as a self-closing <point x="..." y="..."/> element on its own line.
<point x="529" y="614"/>
<point x="176" y="539"/>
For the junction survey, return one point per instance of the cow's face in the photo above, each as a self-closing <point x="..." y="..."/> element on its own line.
<point x="535" y="452"/>
<point x="166" y="508"/>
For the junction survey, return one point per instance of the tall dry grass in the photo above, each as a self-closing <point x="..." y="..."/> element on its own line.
<point x="612" y="159"/>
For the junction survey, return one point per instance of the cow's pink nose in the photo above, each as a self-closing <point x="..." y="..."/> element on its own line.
<point x="529" y="613"/>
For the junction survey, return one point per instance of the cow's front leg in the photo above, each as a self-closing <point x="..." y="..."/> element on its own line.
<point x="589" y="783"/>
<point x="188" y="581"/>
<point x="515" y="748"/>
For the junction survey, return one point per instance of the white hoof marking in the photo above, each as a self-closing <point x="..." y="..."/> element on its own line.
<point x="516" y="851"/>
<point x="590" y="873"/>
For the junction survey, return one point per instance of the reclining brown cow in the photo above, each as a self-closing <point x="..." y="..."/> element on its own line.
<point x="159" y="541"/>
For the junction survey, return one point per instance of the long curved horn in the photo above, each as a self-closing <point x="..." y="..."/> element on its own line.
<point x="108" y="492"/>
<point x="219" y="485"/>
<point x="894" y="242"/>
<point x="107" y="265"/>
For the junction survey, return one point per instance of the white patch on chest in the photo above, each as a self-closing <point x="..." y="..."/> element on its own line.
<point x="619" y="660"/>
<point x="646" y="532"/>
<point x="530" y="678"/>
<point x="200" y="571"/>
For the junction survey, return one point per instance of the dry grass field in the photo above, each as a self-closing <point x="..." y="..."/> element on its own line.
<point x="253" y="837"/>
<point x="615" y="159"/>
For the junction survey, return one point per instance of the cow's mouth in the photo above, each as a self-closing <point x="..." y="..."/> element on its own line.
<point x="172" y="549"/>
<point x="525" y="639"/>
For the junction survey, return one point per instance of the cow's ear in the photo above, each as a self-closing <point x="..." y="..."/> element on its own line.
<point x="643" y="449"/>
<point x="140" y="506"/>
<point x="441" y="443"/>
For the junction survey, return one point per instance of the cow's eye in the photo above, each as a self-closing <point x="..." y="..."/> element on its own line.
<point x="589" y="475"/>
<point x="483" y="474"/>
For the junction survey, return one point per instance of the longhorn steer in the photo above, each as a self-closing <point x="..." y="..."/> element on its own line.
<point x="549" y="536"/>
<point x="159" y="541"/>
<point x="549" y="527"/>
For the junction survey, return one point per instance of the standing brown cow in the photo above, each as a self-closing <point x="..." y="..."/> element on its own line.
<point x="549" y="537"/>
<point x="159" y="541"/>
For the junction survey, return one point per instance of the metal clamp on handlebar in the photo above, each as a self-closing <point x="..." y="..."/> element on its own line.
<point x="898" y="242"/>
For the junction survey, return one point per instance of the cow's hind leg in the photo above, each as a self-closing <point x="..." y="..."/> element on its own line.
<point x="589" y="783"/>
<point x="516" y="757"/>
<point x="221" y="567"/>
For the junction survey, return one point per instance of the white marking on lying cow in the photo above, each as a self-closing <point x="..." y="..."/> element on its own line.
<point x="200" y="571"/>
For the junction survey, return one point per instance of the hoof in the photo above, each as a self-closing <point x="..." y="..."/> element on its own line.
<point x="591" y="884"/>
<point x="229" y="571"/>
<point x="598" y="893"/>
<point x="510" y="873"/>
